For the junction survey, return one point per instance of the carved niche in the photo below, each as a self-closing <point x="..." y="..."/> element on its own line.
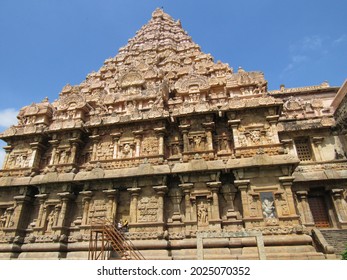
<point x="148" y="209"/>
<point x="104" y="149"/>
<point x="192" y="84"/>
<point x="150" y="145"/>
<point x="197" y="141"/>
<point x="254" y="130"/>
<point x="51" y="214"/>
<point x="6" y="217"/>
<point x="202" y="211"/>
<point x="20" y="156"/>
<point x="97" y="209"/>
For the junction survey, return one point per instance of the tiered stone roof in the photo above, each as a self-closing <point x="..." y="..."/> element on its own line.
<point x="160" y="72"/>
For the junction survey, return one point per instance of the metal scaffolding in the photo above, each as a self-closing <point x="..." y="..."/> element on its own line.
<point x="105" y="238"/>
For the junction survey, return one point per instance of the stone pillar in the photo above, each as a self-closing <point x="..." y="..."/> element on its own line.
<point x="36" y="154"/>
<point x="42" y="198"/>
<point x="74" y="143"/>
<point x="185" y="130"/>
<point x="273" y="122"/>
<point x="87" y="196"/>
<point x="317" y="141"/>
<point x="340" y="206"/>
<point x="306" y="215"/>
<point x="214" y="186"/>
<point x="288" y="145"/>
<point x="160" y="190"/>
<point x="134" y="193"/>
<point x="116" y="137"/>
<point x="160" y="134"/>
<point x="20" y="217"/>
<point x="111" y="204"/>
<point x="287" y="183"/>
<point x="234" y="124"/>
<point x="54" y="144"/>
<point x="95" y="140"/>
<point x="243" y="185"/>
<point x="186" y="187"/>
<point x="138" y="137"/>
<point x="176" y="198"/>
<point x="209" y="127"/>
<point x="65" y="197"/>
<point x="8" y="150"/>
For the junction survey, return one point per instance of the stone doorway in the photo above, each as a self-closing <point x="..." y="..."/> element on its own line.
<point x="319" y="211"/>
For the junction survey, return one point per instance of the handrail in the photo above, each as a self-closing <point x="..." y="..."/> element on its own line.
<point x="113" y="238"/>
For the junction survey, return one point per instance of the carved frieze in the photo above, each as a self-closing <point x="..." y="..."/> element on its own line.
<point x="147" y="209"/>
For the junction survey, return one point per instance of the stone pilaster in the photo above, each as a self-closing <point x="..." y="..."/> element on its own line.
<point x="186" y="187"/>
<point x="288" y="145"/>
<point x="138" y="138"/>
<point x="134" y="195"/>
<point x="160" y="135"/>
<point x="37" y="149"/>
<point x="95" y="140"/>
<point x="209" y="128"/>
<point x="8" y="150"/>
<point x="54" y="144"/>
<point x="160" y="190"/>
<point x="20" y="216"/>
<point x="243" y="186"/>
<point x="65" y="198"/>
<point x="306" y="215"/>
<point x="185" y="129"/>
<point x="111" y="211"/>
<point x="40" y="218"/>
<point x="115" y="137"/>
<point x="214" y="187"/>
<point x="286" y="183"/>
<point x="234" y="124"/>
<point x="317" y="143"/>
<point x="176" y="198"/>
<point x="86" y="198"/>
<point x="273" y="120"/>
<point x="340" y="206"/>
<point x="75" y="143"/>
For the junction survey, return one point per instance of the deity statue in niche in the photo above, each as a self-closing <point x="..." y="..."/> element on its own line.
<point x="51" y="219"/>
<point x="126" y="150"/>
<point x="202" y="213"/>
<point x="175" y="149"/>
<point x="267" y="205"/>
<point x="3" y="219"/>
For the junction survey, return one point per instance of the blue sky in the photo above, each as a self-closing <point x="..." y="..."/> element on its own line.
<point x="45" y="44"/>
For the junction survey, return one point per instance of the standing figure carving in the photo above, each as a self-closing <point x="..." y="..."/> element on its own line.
<point x="202" y="213"/>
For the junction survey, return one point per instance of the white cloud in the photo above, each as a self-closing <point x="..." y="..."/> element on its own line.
<point x="312" y="43"/>
<point x="8" y="117"/>
<point x="307" y="44"/>
<point x="308" y="48"/>
<point x="340" y="40"/>
<point x="295" y="61"/>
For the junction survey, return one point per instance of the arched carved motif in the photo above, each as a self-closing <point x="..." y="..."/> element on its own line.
<point x="73" y="101"/>
<point x="192" y="83"/>
<point x="132" y="78"/>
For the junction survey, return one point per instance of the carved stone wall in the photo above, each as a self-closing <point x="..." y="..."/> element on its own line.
<point x="175" y="143"/>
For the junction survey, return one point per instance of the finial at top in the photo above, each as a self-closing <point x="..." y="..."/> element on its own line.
<point x="159" y="12"/>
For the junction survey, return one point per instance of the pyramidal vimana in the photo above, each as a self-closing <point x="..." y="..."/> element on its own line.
<point x="200" y="160"/>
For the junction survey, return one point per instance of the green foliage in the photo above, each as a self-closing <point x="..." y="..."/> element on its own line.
<point x="344" y="254"/>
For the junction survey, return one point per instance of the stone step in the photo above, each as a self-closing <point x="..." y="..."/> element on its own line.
<point x="337" y="239"/>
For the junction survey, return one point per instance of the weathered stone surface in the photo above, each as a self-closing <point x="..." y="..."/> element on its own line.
<point x="181" y="147"/>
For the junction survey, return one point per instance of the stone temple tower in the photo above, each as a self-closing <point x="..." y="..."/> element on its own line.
<point x="202" y="160"/>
